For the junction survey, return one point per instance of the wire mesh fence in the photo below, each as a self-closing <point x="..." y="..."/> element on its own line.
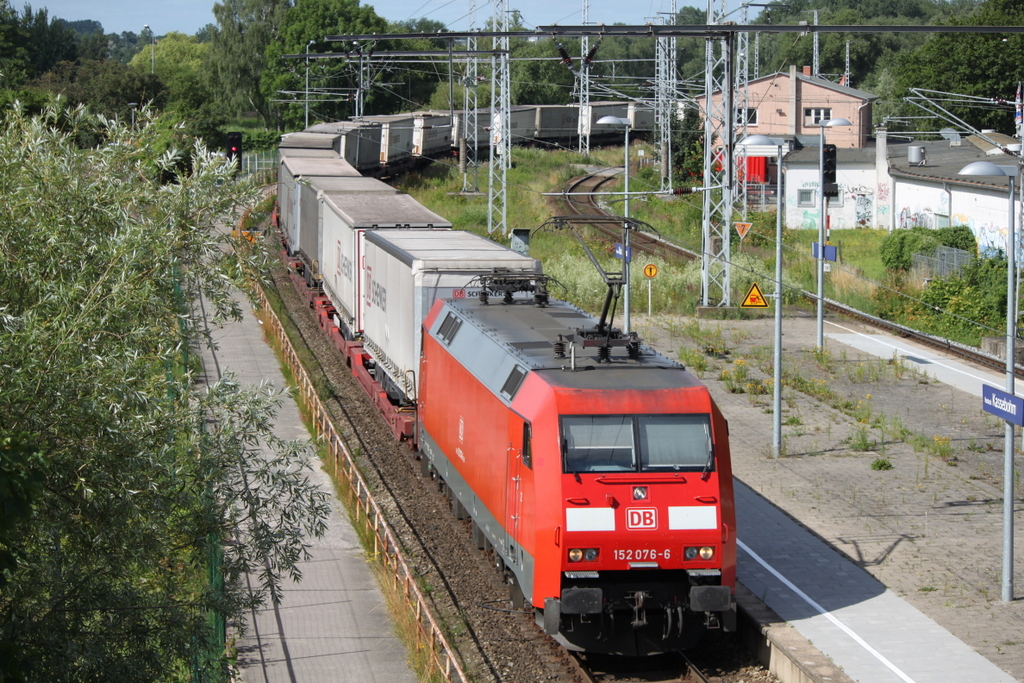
<point x="941" y="263"/>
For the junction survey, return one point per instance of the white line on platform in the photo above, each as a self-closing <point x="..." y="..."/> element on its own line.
<point x="828" y="615"/>
<point x="879" y="340"/>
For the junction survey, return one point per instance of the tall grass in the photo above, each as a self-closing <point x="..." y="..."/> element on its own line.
<point x="677" y="287"/>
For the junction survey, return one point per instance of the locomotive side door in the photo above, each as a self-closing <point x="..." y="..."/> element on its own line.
<point x="518" y="450"/>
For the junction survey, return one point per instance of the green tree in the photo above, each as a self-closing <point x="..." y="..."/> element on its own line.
<point x="983" y="65"/>
<point x="180" y="62"/>
<point x="237" y="56"/>
<point x="312" y="20"/>
<point x="47" y="42"/>
<point x="142" y="474"/>
<point x="106" y="86"/>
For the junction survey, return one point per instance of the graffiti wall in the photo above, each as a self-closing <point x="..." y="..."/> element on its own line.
<point x="854" y="208"/>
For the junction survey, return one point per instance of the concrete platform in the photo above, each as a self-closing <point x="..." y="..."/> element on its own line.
<point x="869" y="632"/>
<point x="333" y="625"/>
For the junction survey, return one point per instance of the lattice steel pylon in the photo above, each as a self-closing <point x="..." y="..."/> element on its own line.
<point x="584" y="130"/>
<point x="718" y="172"/>
<point x="665" y="99"/>
<point x="471" y="174"/>
<point x="740" y="100"/>
<point x="501" y="132"/>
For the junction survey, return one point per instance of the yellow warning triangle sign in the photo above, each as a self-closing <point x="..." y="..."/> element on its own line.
<point x="754" y="298"/>
<point x="742" y="228"/>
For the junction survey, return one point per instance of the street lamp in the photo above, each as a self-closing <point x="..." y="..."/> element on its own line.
<point x="133" y="106"/>
<point x="822" y="216"/>
<point x="307" y="81"/>
<point x="621" y="121"/>
<point x="152" y="49"/>
<point x="987" y="168"/>
<point x="749" y="143"/>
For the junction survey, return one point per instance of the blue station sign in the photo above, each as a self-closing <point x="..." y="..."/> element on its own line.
<point x="1001" y="404"/>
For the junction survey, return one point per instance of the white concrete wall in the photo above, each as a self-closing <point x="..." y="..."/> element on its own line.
<point x="858" y="191"/>
<point x="987" y="213"/>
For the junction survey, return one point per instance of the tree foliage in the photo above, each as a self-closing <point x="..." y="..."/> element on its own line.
<point x="311" y="20"/>
<point x="983" y="65"/>
<point x="141" y="475"/>
<point x="900" y="246"/>
<point x="237" y="56"/>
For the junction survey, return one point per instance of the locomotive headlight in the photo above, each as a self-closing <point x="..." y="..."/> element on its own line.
<point x="693" y="552"/>
<point x="639" y="493"/>
<point x="584" y="554"/>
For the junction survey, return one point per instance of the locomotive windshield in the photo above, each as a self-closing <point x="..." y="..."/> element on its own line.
<point x="631" y="443"/>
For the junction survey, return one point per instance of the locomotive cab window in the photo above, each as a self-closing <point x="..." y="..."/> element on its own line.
<point x="631" y="443"/>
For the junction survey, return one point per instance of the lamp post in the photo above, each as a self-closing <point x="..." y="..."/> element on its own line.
<point x="748" y="143"/>
<point x="152" y="49"/>
<point x="133" y="106"/>
<point x="621" y="121"/>
<point x="307" y="81"/>
<point x="822" y="217"/>
<point x="987" y="168"/>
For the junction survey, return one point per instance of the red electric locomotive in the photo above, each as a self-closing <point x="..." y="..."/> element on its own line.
<point x="597" y="469"/>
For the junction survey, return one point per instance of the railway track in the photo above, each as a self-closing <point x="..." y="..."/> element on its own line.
<point x="674" y="667"/>
<point x="657" y="245"/>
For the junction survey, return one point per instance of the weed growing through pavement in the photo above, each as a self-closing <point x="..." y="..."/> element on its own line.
<point x="881" y="464"/>
<point x="709" y="339"/>
<point x="824" y="360"/>
<point x="859" y="440"/>
<point x="694" y="360"/>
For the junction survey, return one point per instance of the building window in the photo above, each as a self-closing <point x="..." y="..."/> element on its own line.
<point x="805" y="197"/>
<point x="815" y="116"/>
<point x="941" y="221"/>
<point x="836" y="201"/>
<point x="751" y="117"/>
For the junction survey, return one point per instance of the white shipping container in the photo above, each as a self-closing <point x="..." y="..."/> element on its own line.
<point x="404" y="272"/>
<point x="298" y="208"/>
<point x="432" y="134"/>
<point x="344" y="217"/>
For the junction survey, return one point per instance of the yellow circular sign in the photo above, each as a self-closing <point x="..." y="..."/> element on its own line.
<point x="650" y="270"/>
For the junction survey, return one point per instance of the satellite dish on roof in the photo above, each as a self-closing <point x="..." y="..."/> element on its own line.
<point x="951" y="135"/>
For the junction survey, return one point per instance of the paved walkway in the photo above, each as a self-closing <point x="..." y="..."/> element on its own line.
<point x="871" y="633"/>
<point x="964" y="377"/>
<point x="334" y="625"/>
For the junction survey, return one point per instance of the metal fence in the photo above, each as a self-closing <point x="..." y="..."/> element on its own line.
<point x="941" y="263"/>
<point x="441" y="660"/>
<point x="256" y="162"/>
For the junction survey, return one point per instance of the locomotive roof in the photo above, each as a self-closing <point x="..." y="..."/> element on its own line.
<point x="382" y="210"/>
<point x="451" y="250"/>
<point x="498" y="338"/>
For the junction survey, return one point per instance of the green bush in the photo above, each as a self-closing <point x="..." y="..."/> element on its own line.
<point x="901" y="245"/>
<point x="958" y="237"/>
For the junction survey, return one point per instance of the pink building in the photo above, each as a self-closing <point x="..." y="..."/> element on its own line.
<point x="794" y="104"/>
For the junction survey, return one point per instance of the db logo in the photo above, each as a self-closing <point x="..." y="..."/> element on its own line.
<point x="641" y="518"/>
<point x="458" y="294"/>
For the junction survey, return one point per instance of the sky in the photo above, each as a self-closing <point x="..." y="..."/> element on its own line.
<point x="188" y="16"/>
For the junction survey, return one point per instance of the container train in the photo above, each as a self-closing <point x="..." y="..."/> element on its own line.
<point x="383" y="146"/>
<point x="596" y="470"/>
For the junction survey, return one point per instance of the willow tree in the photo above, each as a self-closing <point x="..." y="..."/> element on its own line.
<point x="144" y="500"/>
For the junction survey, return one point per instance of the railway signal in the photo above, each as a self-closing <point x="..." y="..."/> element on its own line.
<point x="234" y="149"/>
